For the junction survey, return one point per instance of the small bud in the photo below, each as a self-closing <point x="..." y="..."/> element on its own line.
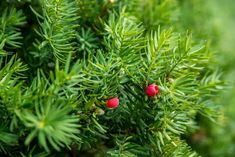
<point x="100" y="112"/>
<point x="171" y="80"/>
<point x="111" y="1"/>
<point x="51" y="65"/>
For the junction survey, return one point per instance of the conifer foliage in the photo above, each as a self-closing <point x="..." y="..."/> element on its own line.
<point x="74" y="76"/>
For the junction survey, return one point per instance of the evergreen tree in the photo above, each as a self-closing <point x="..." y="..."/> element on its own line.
<point x="101" y="78"/>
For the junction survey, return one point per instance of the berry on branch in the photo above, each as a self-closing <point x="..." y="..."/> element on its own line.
<point x="152" y="90"/>
<point x="112" y="103"/>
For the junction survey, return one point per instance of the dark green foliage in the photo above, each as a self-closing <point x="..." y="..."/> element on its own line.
<point x="80" y="53"/>
<point x="10" y="34"/>
<point x="87" y="40"/>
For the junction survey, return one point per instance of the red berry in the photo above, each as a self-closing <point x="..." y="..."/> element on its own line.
<point x="112" y="103"/>
<point x="152" y="90"/>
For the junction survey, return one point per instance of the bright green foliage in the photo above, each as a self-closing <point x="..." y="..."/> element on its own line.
<point x="56" y="36"/>
<point x="51" y="119"/>
<point x="81" y="53"/>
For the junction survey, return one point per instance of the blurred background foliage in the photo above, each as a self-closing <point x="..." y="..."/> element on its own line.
<point x="215" y="20"/>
